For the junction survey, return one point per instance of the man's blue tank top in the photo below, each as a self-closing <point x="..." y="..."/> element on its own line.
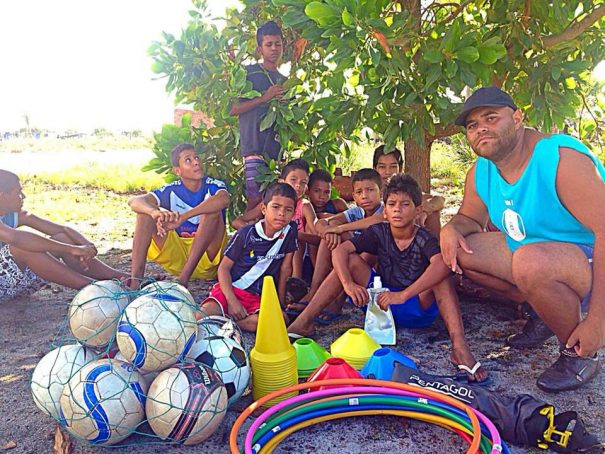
<point x="10" y="220"/>
<point x="529" y="210"/>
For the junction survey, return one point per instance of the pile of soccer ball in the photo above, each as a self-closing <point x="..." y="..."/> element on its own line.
<point x="169" y="369"/>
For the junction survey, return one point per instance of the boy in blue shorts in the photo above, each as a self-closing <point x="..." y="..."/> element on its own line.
<point x="265" y="248"/>
<point x="181" y="226"/>
<point x="29" y="260"/>
<point x="410" y="264"/>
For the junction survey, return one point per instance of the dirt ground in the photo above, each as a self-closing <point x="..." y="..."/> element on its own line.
<point x="29" y="325"/>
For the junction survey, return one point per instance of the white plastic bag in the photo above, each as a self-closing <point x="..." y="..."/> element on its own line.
<point x="379" y="324"/>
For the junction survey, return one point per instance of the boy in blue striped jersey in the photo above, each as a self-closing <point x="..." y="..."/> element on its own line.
<point x="265" y="248"/>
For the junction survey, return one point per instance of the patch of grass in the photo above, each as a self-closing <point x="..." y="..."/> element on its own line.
<point x="101" y="215"/>
<point x="450" y="163"/>
<point x="122" y="178"/>
<point x="90" y="143"/>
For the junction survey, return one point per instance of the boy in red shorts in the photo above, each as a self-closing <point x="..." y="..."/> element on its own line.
<point x="265" y="248"/>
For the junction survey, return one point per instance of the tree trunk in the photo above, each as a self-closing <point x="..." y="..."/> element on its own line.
<point x="418" y="162"/>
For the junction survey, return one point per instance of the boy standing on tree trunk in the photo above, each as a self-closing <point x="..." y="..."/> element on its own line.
<point x="258" y="147"/>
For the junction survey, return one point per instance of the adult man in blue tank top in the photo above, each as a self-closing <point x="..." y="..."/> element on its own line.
<point x="546" y="194"/>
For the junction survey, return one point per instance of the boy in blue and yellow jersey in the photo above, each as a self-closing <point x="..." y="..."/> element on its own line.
<point x="181" y="226"/>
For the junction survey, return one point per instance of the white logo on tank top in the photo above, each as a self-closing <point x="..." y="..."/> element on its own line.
<point x="513" y="224"/>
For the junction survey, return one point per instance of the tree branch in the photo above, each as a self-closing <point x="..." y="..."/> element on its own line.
<point x="576" y="29"/>
<point x="442" y="131"/>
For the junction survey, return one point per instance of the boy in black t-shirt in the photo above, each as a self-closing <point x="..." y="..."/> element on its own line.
<point x="411" y="266"/>
<point x="256" y="146"/>
<point x="257" y="250"/>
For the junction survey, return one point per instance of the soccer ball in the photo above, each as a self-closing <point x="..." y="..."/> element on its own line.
<point x="155" y="331"/>
<point x="104" y="402"/>
<point x="95" y="311"/>
<point x="226" y="356"/>
<point x="186" y="403"/>
<point x="147" y="376"/>
<point x="170" y="288"/>
<point x="53" y="371"/>
<point x="217" y="325"/>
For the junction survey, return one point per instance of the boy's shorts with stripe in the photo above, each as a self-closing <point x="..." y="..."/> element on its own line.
<point x="13" y="280"/>
<point x="173" y="256"/>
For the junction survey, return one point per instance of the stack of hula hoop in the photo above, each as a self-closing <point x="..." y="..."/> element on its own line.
<point x="346" y="398"/>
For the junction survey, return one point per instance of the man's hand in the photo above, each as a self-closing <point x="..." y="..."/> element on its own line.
<point x="332" y="240"/>
<point x="274" y="91"/>
<point x="385" y="299"/>
<point x="588" y="336"/>
<point x="359" y="295"/>
<point x="450" y="241"/>
<point x="236" y="309"/>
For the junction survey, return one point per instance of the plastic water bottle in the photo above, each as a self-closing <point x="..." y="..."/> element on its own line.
<point x="379" y="324"/>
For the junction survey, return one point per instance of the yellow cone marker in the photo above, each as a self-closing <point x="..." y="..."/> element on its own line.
<point x="272" y="350"/>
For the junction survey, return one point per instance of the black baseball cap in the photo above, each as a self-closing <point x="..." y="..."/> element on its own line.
<point x="485" y="97"/>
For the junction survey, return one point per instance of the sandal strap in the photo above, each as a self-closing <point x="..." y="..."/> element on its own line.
<point x="470" y="370"/>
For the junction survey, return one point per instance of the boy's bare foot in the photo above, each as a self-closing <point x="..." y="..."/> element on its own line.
<point x="300" y="329"/>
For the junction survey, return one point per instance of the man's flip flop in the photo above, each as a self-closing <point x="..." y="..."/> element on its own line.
<point x="330" y="317"/>
<point x="295" y="312"/>
<point x="464" y="372"/>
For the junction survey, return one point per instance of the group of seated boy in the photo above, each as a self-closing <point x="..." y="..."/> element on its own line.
<point x="391" y="230"/>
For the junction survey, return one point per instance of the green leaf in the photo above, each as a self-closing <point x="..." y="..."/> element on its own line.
<point x="347" y="18"/>
<point x="293" y="18"/>
<point x="487" y="55"/>
<point x="433" y="56"/>
<point x="268" y="120"/>
<point x="467" y="54"/>
<point x="321" y="13"/>
<point x="433" y="74"/>
<point x="555" y="72"/>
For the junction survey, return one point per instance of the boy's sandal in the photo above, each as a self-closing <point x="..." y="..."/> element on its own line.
<point x="296" y="312"/>
<point x="329" y="317"/>
<point x="294" y="336"/>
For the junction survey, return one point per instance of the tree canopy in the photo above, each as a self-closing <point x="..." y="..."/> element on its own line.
<point x="396" y="70"/>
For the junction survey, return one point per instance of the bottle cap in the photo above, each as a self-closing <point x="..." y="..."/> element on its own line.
<point x="377" y="282"/>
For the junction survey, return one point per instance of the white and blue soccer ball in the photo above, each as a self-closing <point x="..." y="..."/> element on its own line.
<point x="53" y="372"/>
<point x="147" y="376"/>
<point x="156" y="331"/>
<point x="170" y="288"/>
<point x="227" y="357"/>
<point x="95" y="311"/>
<point x="104" y="402"/>
<point x="186" y="403"/>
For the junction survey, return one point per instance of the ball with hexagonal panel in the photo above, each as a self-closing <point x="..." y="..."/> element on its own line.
<point x="170" y="288"/>
<point x="227" y="357"/>
<point x="95" y="311"/>
<point x="186" y="403"/>
<point x="53" y="372"/>
<point x="104" y="402"/>
<point x="156" y="330"/>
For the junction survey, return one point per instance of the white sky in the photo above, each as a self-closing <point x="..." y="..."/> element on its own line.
<point x="82" y="64"/>
<point x="78" y="64"/>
